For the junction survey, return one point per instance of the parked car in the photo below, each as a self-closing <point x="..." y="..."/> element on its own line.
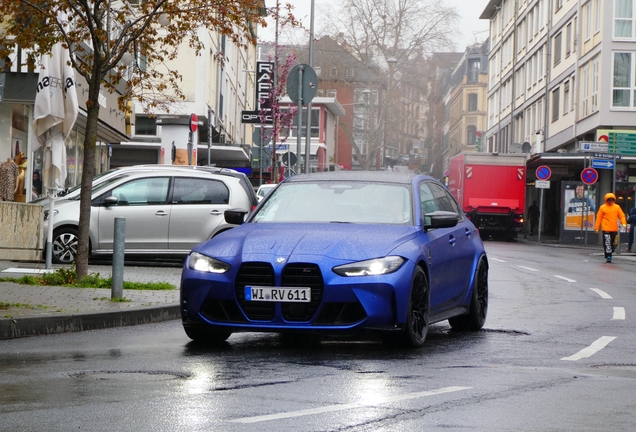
<point x="167" y="212"/>
<point x="76" y="190"/>
<point x="340" y="252"/>
<point x="263" y="190"/>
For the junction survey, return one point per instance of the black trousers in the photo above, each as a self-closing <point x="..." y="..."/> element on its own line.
<point x="609" y="237"/>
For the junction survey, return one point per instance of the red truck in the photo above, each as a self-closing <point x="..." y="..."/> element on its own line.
<point x="491" y="189"/>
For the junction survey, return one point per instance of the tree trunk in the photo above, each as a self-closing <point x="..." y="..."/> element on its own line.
<point x="88" y="173"/>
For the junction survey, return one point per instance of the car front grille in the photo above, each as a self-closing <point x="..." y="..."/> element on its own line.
<point x="302" y="275"/>
<point x="255" y="273"/>
<point x="294" y="275"/>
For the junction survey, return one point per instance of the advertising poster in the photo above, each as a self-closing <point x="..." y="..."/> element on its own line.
<point x="580" y="206"/>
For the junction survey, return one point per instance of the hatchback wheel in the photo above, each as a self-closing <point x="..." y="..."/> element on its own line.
<point x="64" y="247"/>
<point x="202" y="335"/>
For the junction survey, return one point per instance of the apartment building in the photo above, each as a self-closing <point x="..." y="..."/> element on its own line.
<point x="562" y="73"/>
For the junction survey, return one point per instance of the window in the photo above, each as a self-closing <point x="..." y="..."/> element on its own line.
<point x="146" y="191"/>
<point x="443" y="199"/>
<point x="585" y="90"/>
<point x="595" y="85"/>
<point x="587" y="30"/>
<point x="349" y="72"/>
<point x="474" y="66"/>
<point x="315" y="125"/>
<point x="471" y="132"/>
<point x="557" y="48"/>
<point x="566" y="97"/>
<point x="145" y="125"/>
<point x="333" y="72"/>
<point x="568" y="40"/>
<point x="622" y="85"/>
<point x="623" y="18"/>
<point x="199" y="191"/>
<point x="318" y="70"/>
<point x="558" y="4"/>
<point x="472" y="102"/>
<point x="555" y="103"/>
<point x="597" y="16"/>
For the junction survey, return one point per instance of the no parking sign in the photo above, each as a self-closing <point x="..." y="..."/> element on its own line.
<point x="589" y="176"/>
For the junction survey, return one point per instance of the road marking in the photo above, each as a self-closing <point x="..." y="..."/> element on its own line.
<point x="564" y="278"/>
<point x="598" y="345"/>
<point x="497" y="259"/>
<point x="602" y="293"/>
<point x="342" y="407"/>
<point x="619" y="313"/>
<point x="528" y="268"/>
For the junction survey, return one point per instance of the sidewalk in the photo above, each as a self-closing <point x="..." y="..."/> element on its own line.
<point x="37" y="310"/>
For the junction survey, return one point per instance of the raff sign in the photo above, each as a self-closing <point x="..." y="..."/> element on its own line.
<point x="264" y="85"/>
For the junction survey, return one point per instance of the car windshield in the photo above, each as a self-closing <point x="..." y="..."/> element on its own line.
<point x="338" y="202"/>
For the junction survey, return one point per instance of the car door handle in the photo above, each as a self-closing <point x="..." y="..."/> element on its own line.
<point x="161" y="213"/>
<point x="215" y="213"/>
<point x="468" y="233"/>
<point x="452" y="240"/>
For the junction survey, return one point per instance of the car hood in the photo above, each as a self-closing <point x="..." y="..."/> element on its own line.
<point x="297" y="242"/>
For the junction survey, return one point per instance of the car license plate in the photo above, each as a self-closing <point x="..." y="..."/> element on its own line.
<point x="280" y="294"/>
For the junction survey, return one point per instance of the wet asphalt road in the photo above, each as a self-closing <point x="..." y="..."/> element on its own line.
<point x="558" y="353"/>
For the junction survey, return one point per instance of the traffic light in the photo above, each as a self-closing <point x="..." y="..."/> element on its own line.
<point x="478" y="140"/>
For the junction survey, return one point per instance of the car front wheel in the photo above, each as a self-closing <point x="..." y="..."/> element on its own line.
<point x="202" y="335"/>
<point x="64" y="247"/>
<point x="419" y="308"/>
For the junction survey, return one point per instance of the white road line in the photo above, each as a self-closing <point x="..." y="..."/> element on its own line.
<point x="528" y="268"/>
<point x="564" y="278"/>
<point x="619" y="313"/>
<point x="598" y="345"/>
<point x="497" y="259"/>
<point x="602" y="293"/>
<point x="342" y="407"/>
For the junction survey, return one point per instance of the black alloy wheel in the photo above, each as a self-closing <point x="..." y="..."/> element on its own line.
<point x="476" y="317"/>
<point x="419" y="309"/>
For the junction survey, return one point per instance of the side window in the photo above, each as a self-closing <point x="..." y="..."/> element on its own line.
<point x="444" y="200"/>
<point x="427" y="200"/>
<point x="142" y="191"/>
<point x="199" y="191"/>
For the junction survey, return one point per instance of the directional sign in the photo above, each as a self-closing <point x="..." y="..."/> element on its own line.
<point x="543" y="172"/>
<point x="589" y="176"/>
<point x="603" y="163"/>
<point x="594" y="147"/>
<point x="542" y="184"/>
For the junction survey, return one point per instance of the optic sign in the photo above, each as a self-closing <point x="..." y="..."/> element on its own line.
<point x="589" y="176"/>
<point x="264" y="86"/>
<point x="543" y="172"/>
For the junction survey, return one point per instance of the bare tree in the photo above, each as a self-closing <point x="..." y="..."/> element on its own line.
<point x="392" y="36"/>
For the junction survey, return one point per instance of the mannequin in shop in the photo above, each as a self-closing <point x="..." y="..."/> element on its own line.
<point x="20" y="192"/>
<point x="9" y="173"/>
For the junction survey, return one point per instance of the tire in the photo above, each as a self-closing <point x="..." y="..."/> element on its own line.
<point x="419" y="310"/>
<point x="64" y="246"/>
<point x="201" y="335"/>
<point x="476" y="317"/>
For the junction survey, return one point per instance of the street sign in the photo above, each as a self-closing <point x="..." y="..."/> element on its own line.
<point x="194" y="122"/>
<point x="589" y="176"/>
<point x="603" y="163"/>
<point x="306" y="91"/>
<point x="289" y="157"/>
<point x="593" y="146"/>
<point x="544" y="173"/>
<point x="542" y="184"/>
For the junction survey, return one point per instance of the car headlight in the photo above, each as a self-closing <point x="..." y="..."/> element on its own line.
<point x="204" y="263"/>
<point x="372" y="267"/>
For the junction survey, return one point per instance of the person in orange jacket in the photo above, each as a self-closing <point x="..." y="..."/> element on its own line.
<point x="607" y="220"/>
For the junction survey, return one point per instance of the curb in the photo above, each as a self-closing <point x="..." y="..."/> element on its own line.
<point x="12" y="328"/>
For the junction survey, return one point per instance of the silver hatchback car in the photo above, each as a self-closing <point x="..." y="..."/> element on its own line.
<point x="167" y="212"/>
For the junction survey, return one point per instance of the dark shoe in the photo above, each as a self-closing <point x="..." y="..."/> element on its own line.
<point x="609" y="260"/>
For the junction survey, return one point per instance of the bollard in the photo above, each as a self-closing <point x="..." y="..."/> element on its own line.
<point x="118" y="258"/>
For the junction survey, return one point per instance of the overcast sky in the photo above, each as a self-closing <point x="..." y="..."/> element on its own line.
<point x="473" y="29"/>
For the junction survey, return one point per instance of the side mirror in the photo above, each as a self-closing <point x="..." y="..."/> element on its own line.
<point x="235" y="216"/>
<point x="440" y="219"/>
<point x="111" y="200"/>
